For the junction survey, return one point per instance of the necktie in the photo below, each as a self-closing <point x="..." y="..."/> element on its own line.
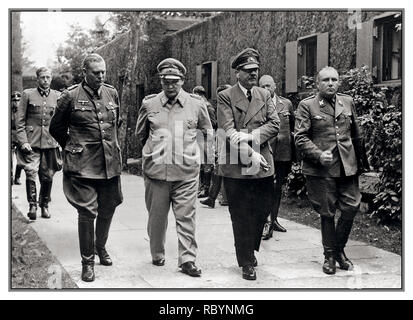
<point x="249" y="97"/>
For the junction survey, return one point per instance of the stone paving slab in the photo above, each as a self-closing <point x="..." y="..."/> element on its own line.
<point x="289" y="260"/>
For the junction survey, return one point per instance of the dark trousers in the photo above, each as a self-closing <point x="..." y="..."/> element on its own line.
<point x="249" y="202"/>
<point x="282" y="169"/>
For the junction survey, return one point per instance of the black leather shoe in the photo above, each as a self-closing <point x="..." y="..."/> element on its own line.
<point x="223" y="203"/>
<point x="329" y="266"/>
<point x="267" y="233"/>
<point x="255" y="262"/>
<point x="191" y="269"/>
<point x="248" y="273"/>
<point x="343" y="262"/>
<point x="45" y="212"/>
<point x="32" y="214"/>
<point x="277" y="227"/>
<point x="159" y="262"/>
<point x="88" y="272"/>
<point x="208" y="202"/>
<point x="104" y="257"/>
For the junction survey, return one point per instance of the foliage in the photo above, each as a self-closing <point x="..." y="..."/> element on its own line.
<point x="79" y="43"/>
<point x="296" y="183"/>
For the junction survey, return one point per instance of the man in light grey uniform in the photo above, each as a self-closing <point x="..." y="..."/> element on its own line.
<point x="167" y="133"/>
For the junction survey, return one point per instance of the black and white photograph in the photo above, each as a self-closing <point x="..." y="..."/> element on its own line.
<point x="206" y="149"/>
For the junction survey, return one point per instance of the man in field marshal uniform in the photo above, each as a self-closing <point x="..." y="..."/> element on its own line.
<point x="38" y="152"/>
<point x="167" y="130"/>
<point x="329" y="139"/>
<point x="86" y="125"/>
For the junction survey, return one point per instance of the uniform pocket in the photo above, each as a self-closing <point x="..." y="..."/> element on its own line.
<point x="72" y="158"/>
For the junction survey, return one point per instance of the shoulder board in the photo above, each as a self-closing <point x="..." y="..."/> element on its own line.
<point x="108" y="85"/>
<point x="150" y="96"/>
<point x="30" y="90"/>
<point x="308" y="98"/>
<point x="195" y="96"/>
<point x="73" y="87"/>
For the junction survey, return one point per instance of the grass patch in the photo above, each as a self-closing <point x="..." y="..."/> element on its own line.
<point x="33" y="266"/>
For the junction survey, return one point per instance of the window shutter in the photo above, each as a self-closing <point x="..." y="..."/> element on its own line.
<point x="214" y="80"/>
<point x="322" y="50"/>
<point x="364" y="50"/>
<point x="291" y="67"/>
<point x="198" y="79"/>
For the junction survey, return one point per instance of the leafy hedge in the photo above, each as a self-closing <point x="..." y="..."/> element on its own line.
<point x="380" y="115"/>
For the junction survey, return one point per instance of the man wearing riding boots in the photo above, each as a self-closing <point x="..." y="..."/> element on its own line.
<point x="329" y="139"/>
<point x="38" y="153"/>
<point x="86" y="125"/>
<point x="282" y="151"/>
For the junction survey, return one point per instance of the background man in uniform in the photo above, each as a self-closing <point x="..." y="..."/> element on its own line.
<point x="86" y="125"/>
<point x="15" y="99"/>
<point x="205" y="173"/>
<point x="167" y="131"/>
<point x="328" y="137"/>
<point x="248" y="116"/>
<point x="216" y="179"/>
<point x="38" y="152"/>
<point x="282" y="151"/>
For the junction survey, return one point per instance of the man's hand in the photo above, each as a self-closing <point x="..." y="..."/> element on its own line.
<point x="26" y="148"/>
<point x="326" y="158"/>
<point x="237" y="137"/>
<point x="258" y="158"/>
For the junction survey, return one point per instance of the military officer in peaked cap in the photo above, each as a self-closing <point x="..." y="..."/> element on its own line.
<point x="167" y="133"/>
<point x="38" y="152"/>
<point x="86" y="125"/>
<point x="329" y="139"/>
<point x="248" y="116"/>
<point x="15" y="99"/>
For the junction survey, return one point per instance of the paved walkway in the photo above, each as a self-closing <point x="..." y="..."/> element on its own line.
<point x="290" y="260"/>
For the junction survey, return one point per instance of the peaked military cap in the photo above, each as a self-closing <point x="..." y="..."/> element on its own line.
<point x="171" y="68"/>
<point x="15" y="95"/>
<point x="199" y="90"/>
<point x="248" y="58"/>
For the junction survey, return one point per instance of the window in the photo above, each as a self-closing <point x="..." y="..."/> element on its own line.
<point x="305" y="57"/>
<point x="206" y="76"/>
<point x="379" y="46"/>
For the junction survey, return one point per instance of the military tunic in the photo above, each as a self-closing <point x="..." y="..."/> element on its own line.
<point x="33" y="117"/>
<point x="321" y="126"/>
<point x="86" y="126"/>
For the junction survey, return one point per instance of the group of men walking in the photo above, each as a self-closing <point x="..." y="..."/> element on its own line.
<point x="249" y="141"/>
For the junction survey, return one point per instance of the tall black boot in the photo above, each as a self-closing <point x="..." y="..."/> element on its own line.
<point x="214" y="188"/>
<point x="342" y="233"/>
<point x="31" y="193"/>
<point x="44" y="198"/>
<point x="268" y="228"/>
<point x="274" y="214"/>
<point x="86" y="244"/>
<point x="328" y="234"/>
<point x="17" y="174"/>
<point x="206" y="180"/>
<point x="102" y="234"/>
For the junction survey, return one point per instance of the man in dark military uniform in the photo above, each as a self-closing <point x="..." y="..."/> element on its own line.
<point x="86" y="125"/>
<point x="282" y="151"/>
<point x="328" y="137"/>
<point x="15" y="99"/>
<point x="205" y="173"/>
<point x="167" y="130"/>
<point x="38" y="152"/>
<point x="247" y="115"/>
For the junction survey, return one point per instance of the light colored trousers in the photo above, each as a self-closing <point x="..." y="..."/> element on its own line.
<point x="159" y="195"/>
